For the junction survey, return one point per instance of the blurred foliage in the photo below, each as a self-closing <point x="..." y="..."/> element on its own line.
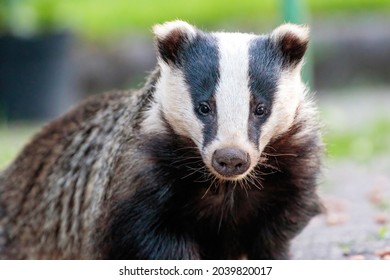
<point x="29" y="17"/>
<point x="360" y="144"/>
<point x="102" y="18"/>
<point x="383" y="232"/>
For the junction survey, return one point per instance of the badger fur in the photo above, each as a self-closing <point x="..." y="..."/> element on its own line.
<point x="216" y="157"/>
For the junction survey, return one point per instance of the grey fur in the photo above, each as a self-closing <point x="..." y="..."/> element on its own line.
<point x="51" y="197"/>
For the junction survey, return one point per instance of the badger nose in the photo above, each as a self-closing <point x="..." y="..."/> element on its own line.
<point x="230" y="161"/>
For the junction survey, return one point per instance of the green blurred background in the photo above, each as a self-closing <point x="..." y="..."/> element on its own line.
<point x="108" y="44"/>
<point x="103" y="19"/>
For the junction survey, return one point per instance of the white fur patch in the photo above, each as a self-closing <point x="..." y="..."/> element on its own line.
<point x="176" y="103"/>
<point x="290" y="94"/>
<point x="232" y="94"/>
<point x="232" y="97"/>
<point x="153" y="122"/>
<point x="301" y="31"/>
<point x="163" y="30"/>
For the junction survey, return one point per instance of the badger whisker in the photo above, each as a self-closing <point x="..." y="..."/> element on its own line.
<point x="243" y="186"/>
<point x="256" y="180"/>
<point x="207" y="190"/>
<point x="201" y="169"/>
<point x="279" y="155"/>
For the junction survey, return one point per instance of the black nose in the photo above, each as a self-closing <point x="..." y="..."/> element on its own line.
<point x="230" y="161"/>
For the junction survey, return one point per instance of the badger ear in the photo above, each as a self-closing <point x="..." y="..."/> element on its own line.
<point x="171" y="37"/>
<point x="292" y="41"/>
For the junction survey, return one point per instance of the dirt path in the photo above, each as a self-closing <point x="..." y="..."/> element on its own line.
<point x="357" y="221"/>
<point x="356" y="224"/>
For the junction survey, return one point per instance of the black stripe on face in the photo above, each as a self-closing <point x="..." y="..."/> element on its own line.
<point x="264" y="73"/>
<point x="199" y="62"/>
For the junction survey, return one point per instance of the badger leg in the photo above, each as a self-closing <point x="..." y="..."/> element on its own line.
<point x="277" y="228"/>
<point x="269" y="250"/>
<point x="146" y="227"/>
<point x="150" y="244"/>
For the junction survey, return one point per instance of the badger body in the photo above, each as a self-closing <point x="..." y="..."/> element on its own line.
<point x="216" y="157"/>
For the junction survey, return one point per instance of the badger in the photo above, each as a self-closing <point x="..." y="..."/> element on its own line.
<point x="217" y="157"/>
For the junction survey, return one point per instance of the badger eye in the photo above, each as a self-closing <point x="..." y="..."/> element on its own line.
<point x="261" y="110"/>
<point x="204" y="108"/>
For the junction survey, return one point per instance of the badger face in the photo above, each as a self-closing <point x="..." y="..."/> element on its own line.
<point x="231" y="93"/>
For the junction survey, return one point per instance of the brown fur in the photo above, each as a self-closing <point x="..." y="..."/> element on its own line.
<point x="51" y="195"/>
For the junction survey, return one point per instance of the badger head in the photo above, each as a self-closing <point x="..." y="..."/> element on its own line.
<point x="230" y="93"/>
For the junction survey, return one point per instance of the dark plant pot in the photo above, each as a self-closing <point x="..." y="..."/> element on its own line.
<point x="34" y="76"/>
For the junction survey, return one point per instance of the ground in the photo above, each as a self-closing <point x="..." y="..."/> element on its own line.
<point x="356" y="222"/>
<point x="355" y="187"/>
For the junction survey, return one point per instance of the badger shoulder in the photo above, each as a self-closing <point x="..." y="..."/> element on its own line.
<point x="99" y="114"/>
<point x="58" y="135"/>
<point x="51" y="195"/>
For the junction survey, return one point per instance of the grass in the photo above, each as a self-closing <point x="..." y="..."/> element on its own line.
<point x="360" y="143"/>
<point x="383" y="233"/>
<point x="345" y="247"/>
<point x="99" y="18"/>
<point x="103" y="18"/>
<point x="106" y="17"/>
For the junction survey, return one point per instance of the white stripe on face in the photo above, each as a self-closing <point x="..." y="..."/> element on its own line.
<point x="290" y="93"/>
<point x="232" y="98"/>
<point x="176" y="104"/>
<point x="232" y="94"/>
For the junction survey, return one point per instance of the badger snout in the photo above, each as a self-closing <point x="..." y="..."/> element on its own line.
<point x="230" y="162"/>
